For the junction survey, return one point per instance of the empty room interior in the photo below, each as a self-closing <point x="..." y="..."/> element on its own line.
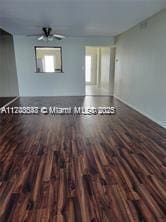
<point x="83" y="111"/>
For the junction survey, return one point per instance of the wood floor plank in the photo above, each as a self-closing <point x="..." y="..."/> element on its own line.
<point x="80" y="168"/>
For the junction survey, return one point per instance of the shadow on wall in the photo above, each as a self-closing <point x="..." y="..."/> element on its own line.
<point x="8" y="72"/>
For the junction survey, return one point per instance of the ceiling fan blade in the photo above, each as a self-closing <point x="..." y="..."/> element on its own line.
<point x="41" y="38"/>
<point x="37" y="35"/>
<point x="59" y="36"/>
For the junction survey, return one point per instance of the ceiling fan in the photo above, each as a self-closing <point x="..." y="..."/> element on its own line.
<point x="48" y="36"/>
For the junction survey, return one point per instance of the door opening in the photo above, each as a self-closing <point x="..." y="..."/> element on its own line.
<point x="98" y="70"/>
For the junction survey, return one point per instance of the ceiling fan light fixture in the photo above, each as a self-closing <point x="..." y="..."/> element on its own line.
<point x="50" y="38"/>
<point x="41" y="38"/>
<point x="45" y="39"/>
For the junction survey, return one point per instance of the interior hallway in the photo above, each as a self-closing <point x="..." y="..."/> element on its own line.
<point x="99" y="72"/>
<point x="93" y="90"/>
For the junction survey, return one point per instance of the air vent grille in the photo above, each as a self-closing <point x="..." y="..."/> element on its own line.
<point x="143" y="25"/>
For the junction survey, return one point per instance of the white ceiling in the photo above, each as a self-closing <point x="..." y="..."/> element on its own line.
<point x="75" y="17"/>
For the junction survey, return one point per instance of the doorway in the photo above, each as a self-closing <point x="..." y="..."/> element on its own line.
<point x="98" y="74"/>
<point x="91" y="65"/>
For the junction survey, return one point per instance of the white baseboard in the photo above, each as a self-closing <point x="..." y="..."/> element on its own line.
<point x="10" y="102"/>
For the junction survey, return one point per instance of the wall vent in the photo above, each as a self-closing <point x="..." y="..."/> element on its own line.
<point x="143" y="25"/>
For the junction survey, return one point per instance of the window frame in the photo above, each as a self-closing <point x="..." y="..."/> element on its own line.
<point x="51" y="47"/>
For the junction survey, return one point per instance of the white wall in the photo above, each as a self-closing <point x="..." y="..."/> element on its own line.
<point x="71" y="82"/>
<point x="140" y="78"/>
<point x="112" y="70"/>
<point x="8" y="75"/>
<point x="105" y="53"/>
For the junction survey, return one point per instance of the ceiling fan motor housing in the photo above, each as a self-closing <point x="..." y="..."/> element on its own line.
<point x="47" y="31"/>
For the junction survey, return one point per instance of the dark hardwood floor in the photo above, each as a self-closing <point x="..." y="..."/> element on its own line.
<point x="5" y="100"/>
<point x="71" y="168"/>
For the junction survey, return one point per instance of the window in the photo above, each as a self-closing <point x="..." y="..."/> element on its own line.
<point x="88" y="68"/>
<point x="49" y="63"/>
<point x="48" y="59"/>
